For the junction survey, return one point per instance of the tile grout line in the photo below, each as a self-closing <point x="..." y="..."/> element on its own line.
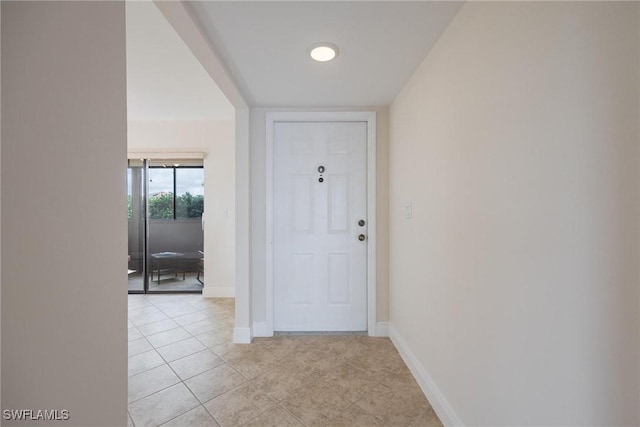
<point x="209" y="412"/>
<point x="155" y="392"/>
<point x="129" y="418"/>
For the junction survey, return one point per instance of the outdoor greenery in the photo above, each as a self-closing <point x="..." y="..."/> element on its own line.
<point x="189" y="205"/>
<point x="161" y="206"/>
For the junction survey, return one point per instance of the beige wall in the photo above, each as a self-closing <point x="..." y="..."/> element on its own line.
<point x="215" y="138"/>
<point x="515" y="285"/>
<point x="243" y="320"/>
<point x="258" y="208"/>
<point x="64" y="316"/>
<point x="0" y="206"/>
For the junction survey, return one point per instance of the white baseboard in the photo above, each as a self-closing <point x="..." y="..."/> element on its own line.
<point x="382" y="329"/>
<point x="260" y="330"/>
<point x="218" y="292"/>
<point x="242" y="335"/>
<point x="429" y="388"/>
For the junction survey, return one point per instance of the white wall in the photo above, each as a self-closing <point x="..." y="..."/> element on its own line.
<point x="64" y="281"/>
<point x="258" y="208"/>
<point x="215" y="138"/>
<point x="515" y="285"/>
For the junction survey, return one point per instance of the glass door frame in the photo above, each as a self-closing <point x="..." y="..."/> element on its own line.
<point x="143" y="218"/>
<point x="146" y="264"/>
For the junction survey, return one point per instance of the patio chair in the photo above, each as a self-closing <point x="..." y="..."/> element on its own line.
<point x="200" y="267"/>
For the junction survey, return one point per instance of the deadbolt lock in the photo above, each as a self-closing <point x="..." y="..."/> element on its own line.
<point x="361" y="223"/>
<point x="362" y="237"/>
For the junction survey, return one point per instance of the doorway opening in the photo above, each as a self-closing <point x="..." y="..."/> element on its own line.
<point x="165" y="225"/>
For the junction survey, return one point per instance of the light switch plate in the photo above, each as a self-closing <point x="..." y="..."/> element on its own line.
<point x="408" y="211"/>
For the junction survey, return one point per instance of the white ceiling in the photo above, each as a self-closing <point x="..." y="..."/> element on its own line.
<point x="164" y="80"/>
<point x="264" y="45"/>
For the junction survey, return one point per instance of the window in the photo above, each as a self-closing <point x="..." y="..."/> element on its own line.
<point x="176" y="192"/>
<point x="190" y="192"/>
<point x="161" y="193"/>
<point x="135" y="185"/>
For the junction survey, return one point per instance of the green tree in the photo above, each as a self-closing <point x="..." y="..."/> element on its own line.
<point x="189" y="205"/>
<point x="161" y="206"/>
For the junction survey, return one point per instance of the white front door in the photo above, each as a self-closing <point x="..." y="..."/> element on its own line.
<point x="320" y="217"/>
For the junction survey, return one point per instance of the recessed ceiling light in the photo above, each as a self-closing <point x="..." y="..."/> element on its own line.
<point x="323" y="52"/>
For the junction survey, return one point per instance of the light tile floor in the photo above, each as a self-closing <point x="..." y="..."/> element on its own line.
<point x="185" y="371"/>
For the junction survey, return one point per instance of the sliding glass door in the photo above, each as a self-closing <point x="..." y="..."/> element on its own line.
<point x="176" y="240"/>
<point x="173" y="200"/>
<point x="136" y="213"/>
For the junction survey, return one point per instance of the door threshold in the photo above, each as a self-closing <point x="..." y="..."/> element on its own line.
<point x="289" y="333"/>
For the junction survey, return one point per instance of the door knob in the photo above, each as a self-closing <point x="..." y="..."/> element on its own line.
<point x="362" y="237"/>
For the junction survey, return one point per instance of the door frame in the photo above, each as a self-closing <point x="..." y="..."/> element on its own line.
<point x="146" y="156"/>
<point x="347" y="116"/>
